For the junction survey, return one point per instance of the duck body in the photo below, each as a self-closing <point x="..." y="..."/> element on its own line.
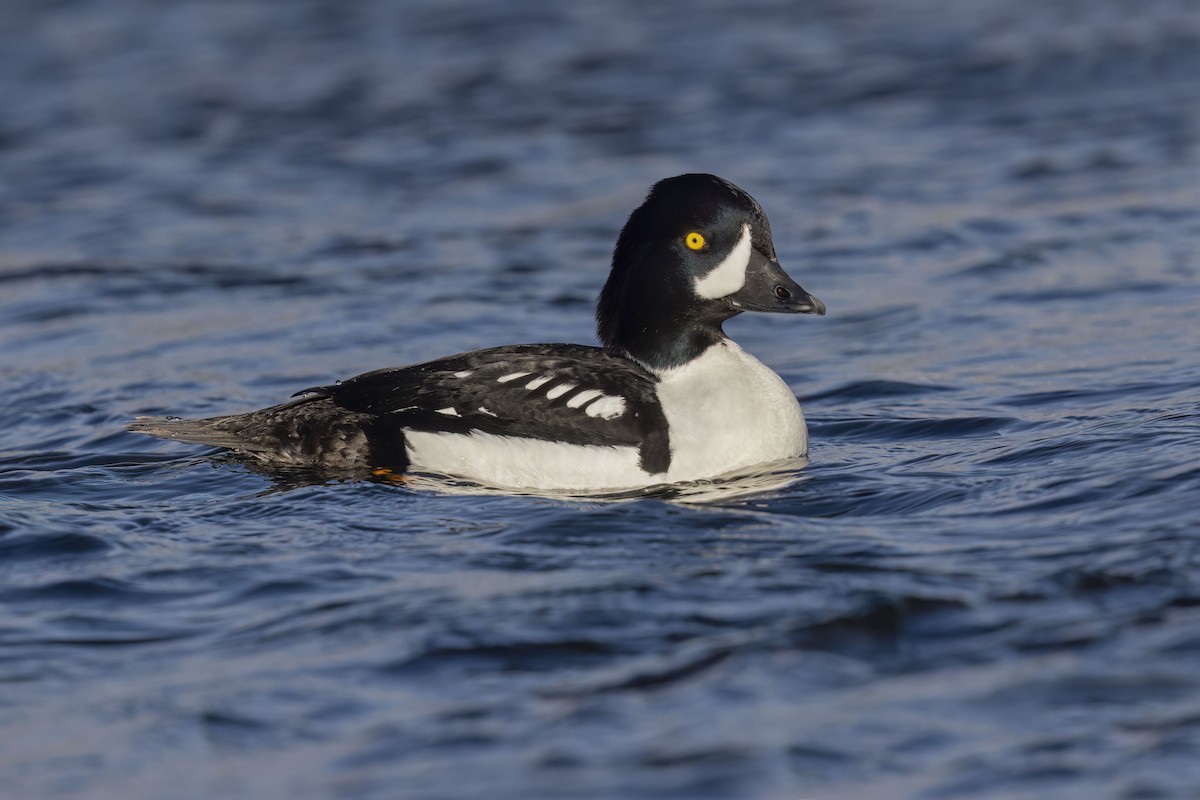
<point x="668" y="398"/>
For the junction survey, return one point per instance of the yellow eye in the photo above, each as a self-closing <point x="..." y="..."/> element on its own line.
<point x="694" y="241"/>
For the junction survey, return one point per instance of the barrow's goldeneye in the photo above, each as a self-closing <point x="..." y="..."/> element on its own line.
<point x="668" y="398"/>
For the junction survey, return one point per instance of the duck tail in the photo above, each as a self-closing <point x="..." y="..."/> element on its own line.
<point x="229" y="432"/>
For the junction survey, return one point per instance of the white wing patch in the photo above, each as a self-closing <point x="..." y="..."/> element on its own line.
<point x="730" y="275"/>
<point x="607" y="407"/>
<point x="593" y="402"/>
<point x="583" y="397"/>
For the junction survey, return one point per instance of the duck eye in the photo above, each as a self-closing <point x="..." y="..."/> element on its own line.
<point x="694" y="241"/>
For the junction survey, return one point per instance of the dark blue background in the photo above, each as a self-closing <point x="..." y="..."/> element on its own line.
<point x="986" y="583"/>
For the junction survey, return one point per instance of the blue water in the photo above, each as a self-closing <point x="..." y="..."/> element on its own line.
<point x="985" y="583"/>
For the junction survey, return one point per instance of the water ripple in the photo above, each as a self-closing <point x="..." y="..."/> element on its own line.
<point x="983" y="581"/>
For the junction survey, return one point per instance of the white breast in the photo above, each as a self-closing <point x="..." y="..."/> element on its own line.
<point x="727" y="410"/>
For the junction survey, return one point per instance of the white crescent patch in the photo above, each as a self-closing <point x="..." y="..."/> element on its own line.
<point x="730" y="275"/>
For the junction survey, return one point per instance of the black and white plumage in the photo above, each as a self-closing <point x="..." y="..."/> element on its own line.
<point x="667" y="398"/>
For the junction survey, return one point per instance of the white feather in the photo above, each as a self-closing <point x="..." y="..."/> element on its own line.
<point x="727" y="410"/>
<point x="607" y="407"/>
<point x="559" y="391"/>
<point x="730" y="275"/>
<point x="514" y="463"/>
<point x="589" y="394"/>
<point x="512" y="376"/>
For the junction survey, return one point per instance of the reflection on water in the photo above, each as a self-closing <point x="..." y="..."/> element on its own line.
<point x="755" y="481"/>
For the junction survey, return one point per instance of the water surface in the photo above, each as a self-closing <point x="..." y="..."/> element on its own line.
<point x="985" y="583"/>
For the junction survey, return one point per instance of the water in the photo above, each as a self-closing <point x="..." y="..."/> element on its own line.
<point x="985" y="584"/>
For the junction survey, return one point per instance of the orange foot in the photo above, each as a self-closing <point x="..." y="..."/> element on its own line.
<point x="383" y="473"/>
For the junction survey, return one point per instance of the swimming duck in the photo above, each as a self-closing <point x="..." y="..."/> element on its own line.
<point x="667" y="398"/>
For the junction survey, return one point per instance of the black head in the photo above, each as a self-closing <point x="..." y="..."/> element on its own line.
<point x="695" y="253"/>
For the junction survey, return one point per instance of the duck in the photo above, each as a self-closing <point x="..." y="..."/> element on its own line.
<point x="666" y="398"/>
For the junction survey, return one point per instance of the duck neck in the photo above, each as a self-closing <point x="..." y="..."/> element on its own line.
<point x="654" y="328"/>
<point x="660" y="352"/>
